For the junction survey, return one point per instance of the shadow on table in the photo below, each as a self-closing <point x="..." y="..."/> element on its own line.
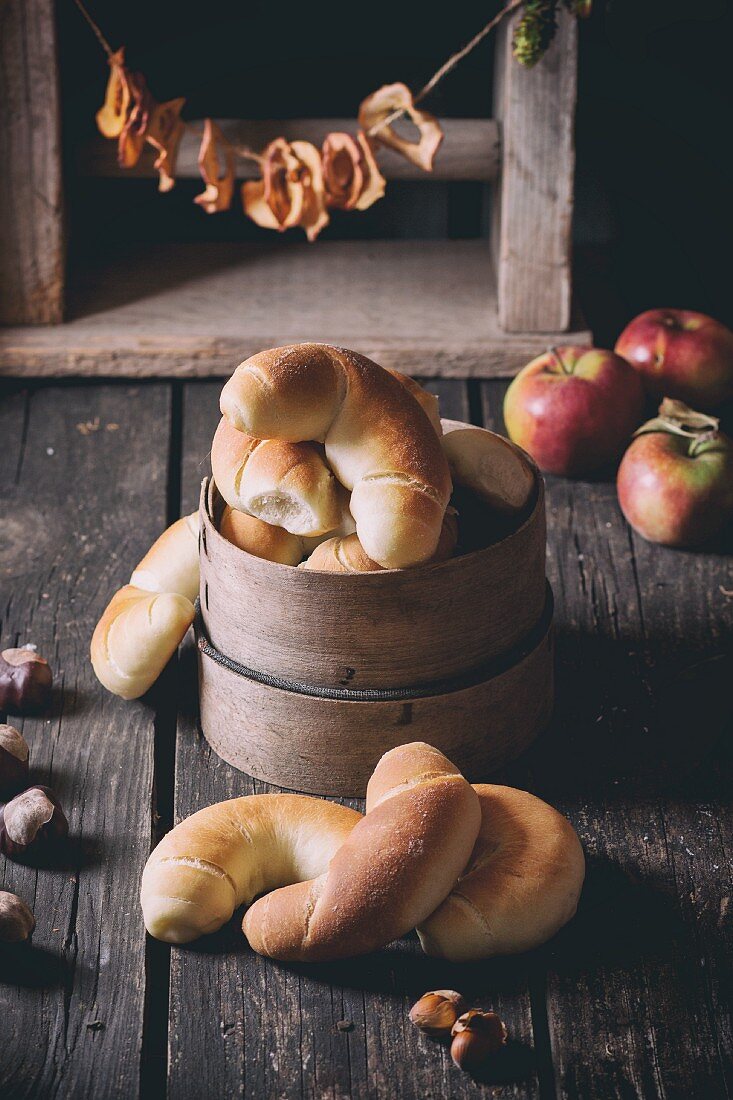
<point x="615" y="720"/>
<point x="32" y="967"/>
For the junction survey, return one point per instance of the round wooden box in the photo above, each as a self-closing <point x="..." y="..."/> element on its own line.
<point x="306" y="678"/>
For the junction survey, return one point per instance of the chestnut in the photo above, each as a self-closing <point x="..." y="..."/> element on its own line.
<point x="16" y="920"/>
<point x="13" y="762"/>
<point x="25" y="681"/>
<point x="31" y="821"/>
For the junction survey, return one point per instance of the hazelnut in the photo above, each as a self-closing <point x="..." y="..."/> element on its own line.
<point x="13" y="762"/>
<point x="16" y="920"/>
<point x="436" y="1012"/>
<point x="30" y="821"/>
<point x="476" y="1035"/>
<point x="25" y="681"/>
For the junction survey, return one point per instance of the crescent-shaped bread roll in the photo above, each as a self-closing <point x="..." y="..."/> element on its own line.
<point x="285" y="484"/>
<point x="427" y="401"/>
<point x="346" y="555"/>
<point x="136" y="637"/>
<point x="394" y="868"/>
<point x="378" y="441"/>
<point x="225" y="855"/>
<point x="521" y="884"/>
<point x="172" y="562"/>
<point x="495" y="469"/>
<point x="261" y="539"/>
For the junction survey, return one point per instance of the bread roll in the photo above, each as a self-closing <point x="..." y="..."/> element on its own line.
<point x="495" y="469"/>
<point x="136" y="637"/>
<point x="346" y="555"/>
<point x="378" y="442"/>
<point x="172" y="562"/>
<point x="427" y="401"/>
<point x="394" y="868"/>
<point x="285" y="484"/>
<point x="224" y="856"/>
<point x="521" y="884"/>
<point x="260" y="538"/>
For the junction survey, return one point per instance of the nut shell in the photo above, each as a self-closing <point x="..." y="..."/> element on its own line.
<point x="31" y="821"/>
<point x="476" y="1036"/>
<point x="25" y="681"/>
<point x="437" y="1011"/>
<point x="16" y="920"/>
<point x="13" y="762"/>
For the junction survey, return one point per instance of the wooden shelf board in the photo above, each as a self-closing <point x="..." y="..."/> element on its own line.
<point x="469" y="151"/>
<point x="426" y="307"/>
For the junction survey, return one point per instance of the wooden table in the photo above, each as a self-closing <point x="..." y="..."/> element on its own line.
<point x="631" y="1000"/>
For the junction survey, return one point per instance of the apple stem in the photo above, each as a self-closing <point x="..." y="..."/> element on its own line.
<point x="554" y="352"/>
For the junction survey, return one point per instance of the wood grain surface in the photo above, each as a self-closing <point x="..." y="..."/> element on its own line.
<point x="196" y="310"/>
<point x="633" y="999"/>
<point x="388" y="629"/>
<point x="531" y="235"/>
<point x="76" y="514"/>
<point x="32" y="252"/>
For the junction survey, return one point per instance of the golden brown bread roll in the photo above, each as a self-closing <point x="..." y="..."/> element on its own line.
<point x="493" y="467"/>
<point x="227" y="854"/>
<point x="264" y="540"/>
<point x="172" y="562"/>
<point x="394" y="868"/>
<point x="427" y="401"/>
<point x="285" y="484"/>
<point x="521" y="884"/>
<point x="136" y="637"/>
<point x="346" y="555"/>
<point x="379" y="443"/>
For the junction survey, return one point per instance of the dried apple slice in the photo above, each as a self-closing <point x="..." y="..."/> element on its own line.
<point x="215" y="153"/>
<point x="255" y="205"/>
<point x="343" y="175"/>
<point x="132" y="137"/>
<point x="112" y="115"/>
<point x="164" y="133"/>
<point x="351" y="177"/>
<point x="291" y="189"/>
<point x="314" y="217"/>
<point x="375" y="184"/>
<point x="397" y="97"/>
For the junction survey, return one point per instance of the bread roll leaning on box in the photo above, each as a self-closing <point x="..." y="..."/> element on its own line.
<point x="146" y="620"/>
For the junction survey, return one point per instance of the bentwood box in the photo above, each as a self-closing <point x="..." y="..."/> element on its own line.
<point x="307" y="677"/>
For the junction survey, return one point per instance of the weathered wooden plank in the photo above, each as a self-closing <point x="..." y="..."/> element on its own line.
<point x="31" y="212"/>
<point x="533" y="202"/>
<point x="636" y="997"/>
<point x="272" y="1030"/>
<point x="469" y="151"/>
<point x="83" y="494"/>
<point x="198" y="310"/>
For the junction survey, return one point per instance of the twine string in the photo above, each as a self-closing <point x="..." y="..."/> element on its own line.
<point x="446" y="68"/>
<point x="100" y="37"/>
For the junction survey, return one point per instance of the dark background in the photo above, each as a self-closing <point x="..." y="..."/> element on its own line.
<point x="654" y="183"/>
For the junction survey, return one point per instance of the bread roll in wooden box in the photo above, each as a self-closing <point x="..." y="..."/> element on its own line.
<point x="306" y="678"/>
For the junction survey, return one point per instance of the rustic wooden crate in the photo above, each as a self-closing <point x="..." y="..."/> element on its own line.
<point x="460" y="308"/>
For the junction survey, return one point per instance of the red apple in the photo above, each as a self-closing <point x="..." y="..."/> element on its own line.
<point x="681" y="354"/>
<point x="675" y="482"/>
<point x="574" y="409"/>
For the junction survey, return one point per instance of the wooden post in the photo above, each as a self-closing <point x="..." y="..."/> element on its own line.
<point x="31" y="215"/>
<point x="533" y="201"/>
